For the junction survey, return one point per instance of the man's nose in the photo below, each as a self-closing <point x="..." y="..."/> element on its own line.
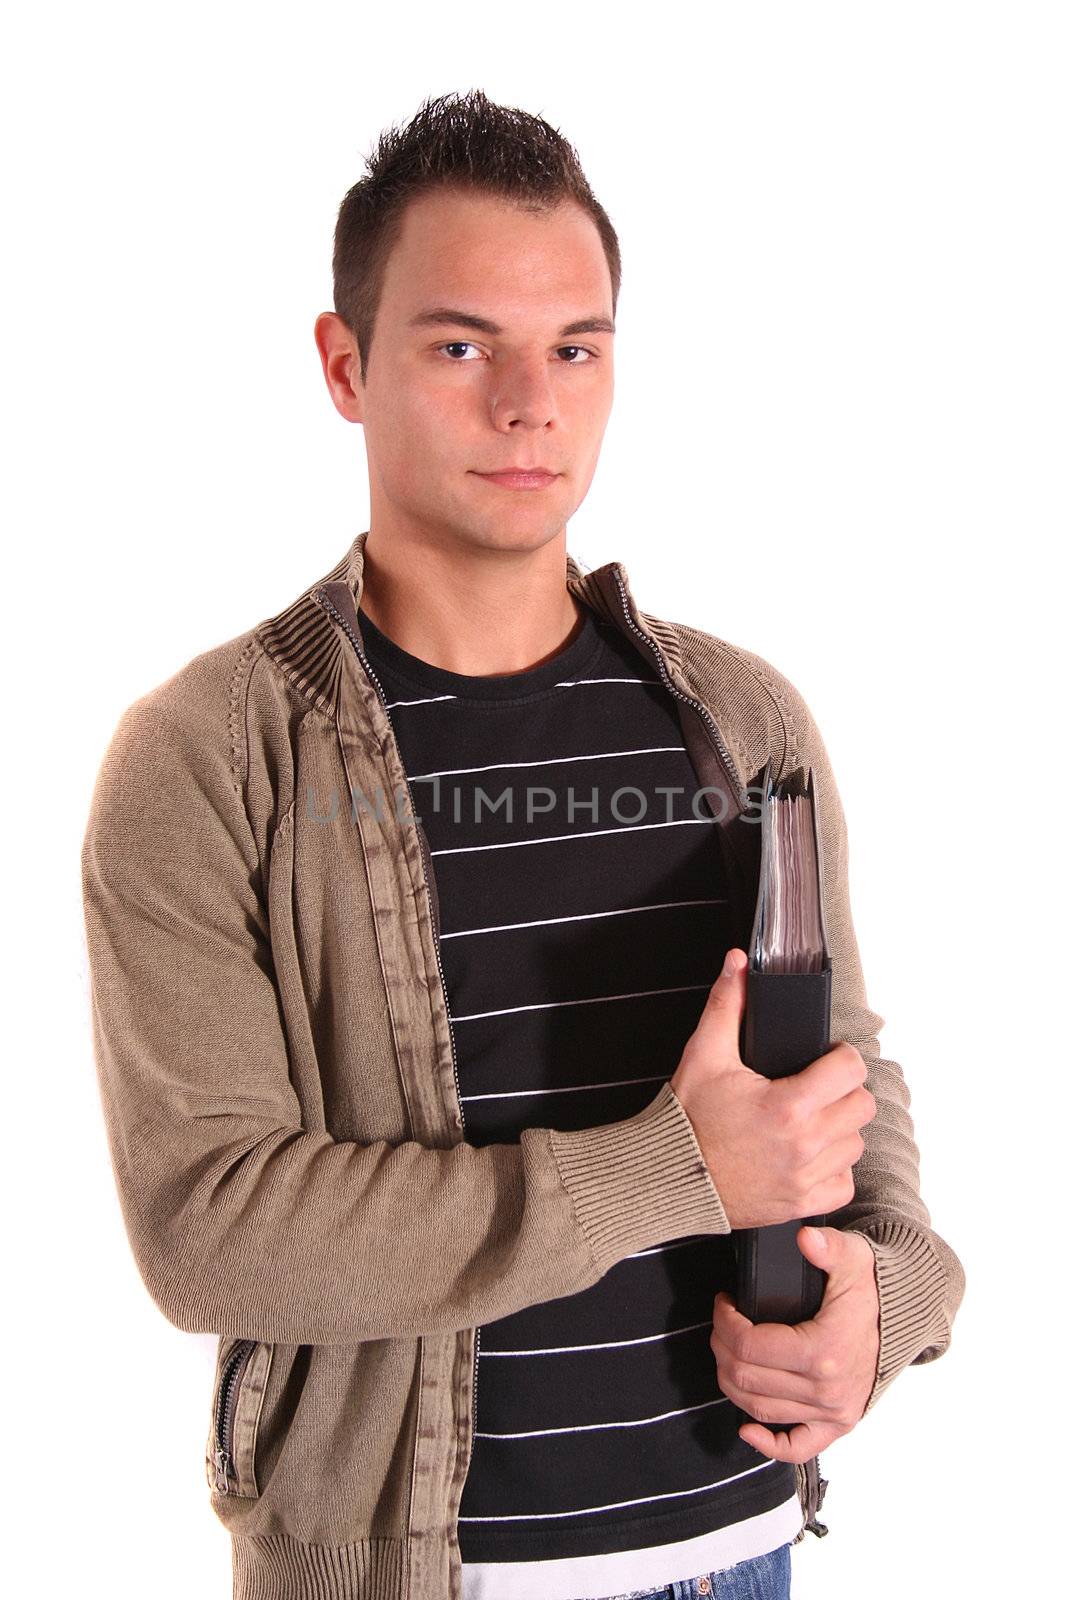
<point x="523" y="393"/>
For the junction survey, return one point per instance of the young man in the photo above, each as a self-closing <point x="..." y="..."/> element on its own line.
<point x="410" y="935"/>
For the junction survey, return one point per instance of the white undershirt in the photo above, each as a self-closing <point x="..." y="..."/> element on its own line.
<point x="621" y="1572"/>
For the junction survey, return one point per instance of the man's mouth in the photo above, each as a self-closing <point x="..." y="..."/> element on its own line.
<point x="520" y="477"/>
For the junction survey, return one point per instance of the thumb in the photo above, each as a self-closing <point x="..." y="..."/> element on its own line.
<point x="719" y="1028"/>
<point x="815" y="1243"/>
<point x="828" y="1248"/>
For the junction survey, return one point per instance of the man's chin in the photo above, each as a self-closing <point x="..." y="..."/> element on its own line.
<point x="511" y="531"/>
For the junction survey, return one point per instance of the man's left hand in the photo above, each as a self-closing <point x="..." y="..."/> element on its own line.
<point x="818" y="1374"/>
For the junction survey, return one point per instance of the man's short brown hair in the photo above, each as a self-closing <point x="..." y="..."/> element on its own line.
<point x="465" y="142"/>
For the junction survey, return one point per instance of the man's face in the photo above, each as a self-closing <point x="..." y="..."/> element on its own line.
<point x="447" y="401"/>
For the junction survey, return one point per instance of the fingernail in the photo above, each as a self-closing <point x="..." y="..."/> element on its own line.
<point x="732" y="964"/>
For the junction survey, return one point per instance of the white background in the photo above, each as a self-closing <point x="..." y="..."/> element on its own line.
<point x="838" y="440"/>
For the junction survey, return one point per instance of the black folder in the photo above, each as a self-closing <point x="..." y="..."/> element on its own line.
<point x="786" y="1025"/>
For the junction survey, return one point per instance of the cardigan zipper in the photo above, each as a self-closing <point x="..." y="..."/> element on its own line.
<point x="431" y="883"/>
<point x="427" y="867"/>
<point x="725" y="760"/>
<point x="226" y="1410"/>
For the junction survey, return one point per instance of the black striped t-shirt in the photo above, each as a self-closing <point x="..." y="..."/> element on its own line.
<point x="583" y="919"/>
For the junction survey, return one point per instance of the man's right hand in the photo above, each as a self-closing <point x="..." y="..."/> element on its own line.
<point x="776" y="1148"/>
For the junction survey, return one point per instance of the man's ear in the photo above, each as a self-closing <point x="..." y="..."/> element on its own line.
<point x="338" y="350"/>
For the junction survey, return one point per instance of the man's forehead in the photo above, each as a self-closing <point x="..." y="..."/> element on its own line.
<point x="560" y="293"/>
<point x="501" y="264"/>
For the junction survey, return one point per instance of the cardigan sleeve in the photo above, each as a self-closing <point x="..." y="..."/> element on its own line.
<point x="241" y="1219"/>
<point x="920" y="1278"/>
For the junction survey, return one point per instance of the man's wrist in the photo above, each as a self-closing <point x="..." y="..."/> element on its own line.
<point x="910" y="1281"/>
<point x="640" y="1181"/>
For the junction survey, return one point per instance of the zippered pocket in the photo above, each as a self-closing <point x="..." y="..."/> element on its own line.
<point x="237" y="1401"/>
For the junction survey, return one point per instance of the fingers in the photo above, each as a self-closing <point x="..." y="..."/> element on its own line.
<point x="835" y="1161"/>
<point x="837" y="1191"/>
<point x="799" y="1444"/>
<point x="777" y="1345"/>
<point x="852" y="1112"/>
<point x="772" y="1396"/>
<point x="791" y="1396"/>
<point x="770" y="1410"/>
<point x="830" y="1078"/>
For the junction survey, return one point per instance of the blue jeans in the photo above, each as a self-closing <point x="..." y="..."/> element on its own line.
<point x="762" y="1578"/>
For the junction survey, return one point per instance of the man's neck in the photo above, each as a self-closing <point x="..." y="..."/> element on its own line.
<point x="479" y="612"/>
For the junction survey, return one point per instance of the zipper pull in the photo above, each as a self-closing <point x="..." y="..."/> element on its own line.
<point x="222" y="1482"/>
<point x="812" y="1497"/>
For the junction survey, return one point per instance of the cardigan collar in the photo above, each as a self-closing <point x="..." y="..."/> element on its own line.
<point x="307" y="638"/>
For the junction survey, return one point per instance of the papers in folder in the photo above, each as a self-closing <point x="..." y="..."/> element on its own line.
<point x="789" y="932"/>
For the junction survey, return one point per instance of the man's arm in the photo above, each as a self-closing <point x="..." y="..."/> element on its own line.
<point x="919" y="1277"/>
<point x="241" y="1220"/>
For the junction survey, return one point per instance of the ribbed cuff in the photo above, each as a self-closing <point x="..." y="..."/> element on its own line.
<point x="911" y="1294"/>
<point x="640" y="1181"/>
<point x="279" y="1567"/>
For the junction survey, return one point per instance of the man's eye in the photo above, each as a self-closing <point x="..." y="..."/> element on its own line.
<point x="575" y="349"/>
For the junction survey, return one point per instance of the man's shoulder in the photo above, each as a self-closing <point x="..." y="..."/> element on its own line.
<point x="185" y="733"/>
<point x="739" y="669"/>
<point x="760" y="710"/>
<point x="208" y="685"/>
<point x="276" y="658"/>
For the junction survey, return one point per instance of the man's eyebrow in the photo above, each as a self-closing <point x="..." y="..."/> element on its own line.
<point x="453" y="318"/>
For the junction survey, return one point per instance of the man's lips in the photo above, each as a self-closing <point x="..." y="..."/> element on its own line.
<point x="520" y="477"/>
